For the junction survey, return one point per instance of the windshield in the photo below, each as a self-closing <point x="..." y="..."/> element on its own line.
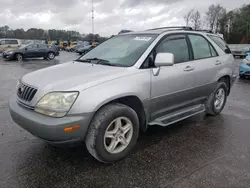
<point x="123" y="50"/>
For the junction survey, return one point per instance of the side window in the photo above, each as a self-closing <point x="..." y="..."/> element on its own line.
<point x="201" y="47"/>
<point x="7" y="41"/>
<point x="13" y="42"/>
<point x="221" y="43"/>
<point x="2" y="42"/>
<point x="213" y="52"/>
<point x="42" y="46"/>
<point x="176" y="45"/>
<point x="31" y="46"/>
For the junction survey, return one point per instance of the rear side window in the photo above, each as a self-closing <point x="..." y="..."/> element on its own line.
<point x="176" y="45"/>
<point x="201" y="47"/>
<point x="221" y="43"/>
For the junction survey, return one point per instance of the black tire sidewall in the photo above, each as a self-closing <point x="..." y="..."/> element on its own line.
<point x="49" y="56"/>
<point x="17" y="57"/>
<point x="99" y="142"/>
<point x="224" y="86"/>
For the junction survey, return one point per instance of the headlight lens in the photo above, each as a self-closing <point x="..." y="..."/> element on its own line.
<point x="11" y="52"/>
<point x="56" y="104"/>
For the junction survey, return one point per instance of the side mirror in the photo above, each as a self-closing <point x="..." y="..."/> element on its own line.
<point x="164" y="59"/>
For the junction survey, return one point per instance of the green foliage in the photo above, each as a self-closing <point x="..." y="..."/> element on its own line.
<point x="51" y="34"/>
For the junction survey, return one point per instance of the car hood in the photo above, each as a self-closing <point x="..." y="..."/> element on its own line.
<point x="72" y="76"/>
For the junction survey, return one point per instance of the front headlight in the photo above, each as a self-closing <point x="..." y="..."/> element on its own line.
<point x="11" y="52"/>
<point x="56" y="104"/>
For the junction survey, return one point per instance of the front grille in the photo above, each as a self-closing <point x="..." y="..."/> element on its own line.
<point x="25" y="93"/>
<point x="247" y="72"/>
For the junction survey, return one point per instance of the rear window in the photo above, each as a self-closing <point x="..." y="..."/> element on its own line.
<point x="221" y="43"/>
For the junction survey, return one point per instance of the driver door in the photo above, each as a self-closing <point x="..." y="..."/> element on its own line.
<point x="31" y="51"/>
<point x="173" y="86"/>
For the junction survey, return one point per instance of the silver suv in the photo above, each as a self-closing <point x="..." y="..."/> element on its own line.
<point x="131" y="81"/>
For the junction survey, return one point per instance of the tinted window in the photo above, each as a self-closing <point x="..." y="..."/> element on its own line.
<point x="13" y="42"/>
<point x="7" y="41"/>
<point x="221" y="43"/>
<point x="200" y="46"/>
<point x="31" y="46"/>
<point x="176" y="45"/>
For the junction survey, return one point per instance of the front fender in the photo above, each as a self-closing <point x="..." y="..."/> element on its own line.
<point x="91" y="99"/>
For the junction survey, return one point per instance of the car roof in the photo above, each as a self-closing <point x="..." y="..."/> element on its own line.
<point x="158" y="31"/>
<point x="8" y="39"/>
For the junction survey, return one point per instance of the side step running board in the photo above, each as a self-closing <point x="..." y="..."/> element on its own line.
<point x="178" y="115"/>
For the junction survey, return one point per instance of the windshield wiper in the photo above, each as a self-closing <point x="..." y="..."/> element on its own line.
<point x="97" y="59"/>
<point x="83" y="60"/>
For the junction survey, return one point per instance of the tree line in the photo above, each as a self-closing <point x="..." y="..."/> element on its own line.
<point x="51" y="34"/>
<point x="234" y="24"/>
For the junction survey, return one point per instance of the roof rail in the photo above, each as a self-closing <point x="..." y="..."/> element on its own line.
<point x="174" y="27"/>
<point x="204" y="30"/>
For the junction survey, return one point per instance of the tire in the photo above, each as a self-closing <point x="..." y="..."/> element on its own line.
<point x="105" y="119"/>
<point x="51" y="55"/>
<point x="211" y="107"/>
<point x="242" y="76"/>
<point x="19" y="57"/>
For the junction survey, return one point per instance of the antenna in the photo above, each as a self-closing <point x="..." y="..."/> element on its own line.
<point x="93" y="29"/>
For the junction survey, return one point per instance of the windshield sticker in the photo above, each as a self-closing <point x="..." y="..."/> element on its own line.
<point x="143" y="38"/>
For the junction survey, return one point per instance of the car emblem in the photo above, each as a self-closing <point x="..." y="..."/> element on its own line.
<point x="21" y="89"/>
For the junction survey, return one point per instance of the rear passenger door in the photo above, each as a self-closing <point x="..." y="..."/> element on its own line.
<point x="206" y="64"/>
<point x="42" y="50"/>
<point x="173" y="88"/>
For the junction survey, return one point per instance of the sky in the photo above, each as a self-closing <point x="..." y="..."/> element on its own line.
<point x="111" y="16"/>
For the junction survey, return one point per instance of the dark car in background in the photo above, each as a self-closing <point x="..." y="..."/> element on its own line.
<point x="32" y="51"/>
<point x="74" y="48"/>
<point x="85" y="49"/>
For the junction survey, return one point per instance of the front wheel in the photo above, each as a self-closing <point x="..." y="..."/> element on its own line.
<point x="113" y="133"/>
<point x="19" y="57"/>
<point x="51" y="56"/>
<point x="217" y="100"/>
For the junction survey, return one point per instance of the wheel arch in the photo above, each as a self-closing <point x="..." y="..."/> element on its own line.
<point x="226" y="79"/>
<point x="133" y="102"/>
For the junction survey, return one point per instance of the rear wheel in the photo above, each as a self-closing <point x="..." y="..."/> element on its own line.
<point x="217" y="100"/>
<point x="51" y="56"/>
<point x="113" y="133"/>
<point x="19" y="57"/>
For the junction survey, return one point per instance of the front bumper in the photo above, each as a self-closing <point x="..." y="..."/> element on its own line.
<point x="244" y="70"/>
<point x="8" y="56"/>
<point x="48" y="128"/>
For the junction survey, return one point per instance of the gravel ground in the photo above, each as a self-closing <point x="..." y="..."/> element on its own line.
<point x="198" y="152"/>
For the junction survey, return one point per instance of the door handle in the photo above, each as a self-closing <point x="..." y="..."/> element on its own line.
<point x="218" y="63"/>
<point x="188" y="68"/>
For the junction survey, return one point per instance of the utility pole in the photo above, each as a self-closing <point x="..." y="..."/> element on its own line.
<point x="93" y="28"/>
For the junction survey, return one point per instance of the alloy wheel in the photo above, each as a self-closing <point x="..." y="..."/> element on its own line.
<point x="118" y="135"/>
